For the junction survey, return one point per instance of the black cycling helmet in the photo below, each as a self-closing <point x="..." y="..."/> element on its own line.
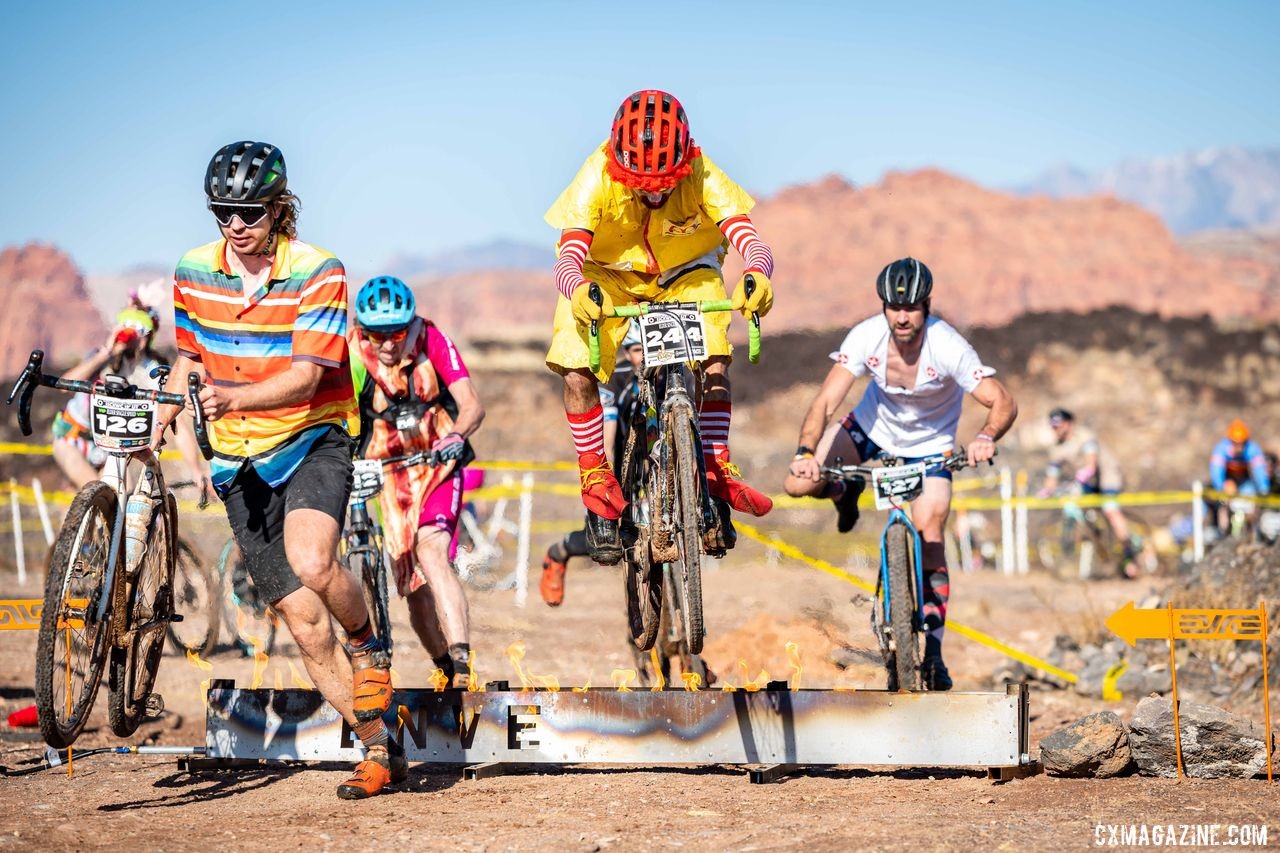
<point x="245" y="172"/>
<point x="1060" y="415"/>
<point x="904" y="282"/>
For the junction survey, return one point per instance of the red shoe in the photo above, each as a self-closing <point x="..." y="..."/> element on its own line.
<point x="725" y="482"/>
<point x="552" y="585"/>
<point x="600" y="490"/>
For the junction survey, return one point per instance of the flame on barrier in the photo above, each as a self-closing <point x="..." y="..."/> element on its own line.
<point x="200" y="663"/>
<point x="659" y="683"/>
<point x="584" y="688"/>
<point x="621" y="678"/>
<point x="296" y="678"/>
<point x="395" y="678"/>
<point x="515" y="653"/>
<point x="750" y="685"/>
<point x="692" y="681"/>
<point x="260" y="661"/>
<point x="403" y="715"/>
<point x="473" y="683"/>
<point x="793" y="657"/>
<point x="436" y="680"/>
<point x="279" y="681"/>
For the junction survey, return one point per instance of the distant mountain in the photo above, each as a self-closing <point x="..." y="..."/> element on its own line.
<point x="498" y="254"/>
<point x="1197" y="190"/>
<point x="45" y="306"/>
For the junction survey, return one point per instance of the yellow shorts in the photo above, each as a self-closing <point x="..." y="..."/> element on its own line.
<point x="569" y="342"/>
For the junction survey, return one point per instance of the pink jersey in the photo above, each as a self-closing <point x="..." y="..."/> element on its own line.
<point x="444" y="357"/>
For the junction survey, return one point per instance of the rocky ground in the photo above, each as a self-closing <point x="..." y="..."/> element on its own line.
<point x="755" y="605"/>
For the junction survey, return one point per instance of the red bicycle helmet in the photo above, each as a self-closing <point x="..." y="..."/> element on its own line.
<point x="650" y="146"/>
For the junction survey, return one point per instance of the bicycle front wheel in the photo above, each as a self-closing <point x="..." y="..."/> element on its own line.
<point x="149" y="607"/>
<point x="904" y="663"/>
<point x="198" y="600"/>
<point x="71" y="649"/>
<point x="373" y="580"/>
<point x="689" y="539"/>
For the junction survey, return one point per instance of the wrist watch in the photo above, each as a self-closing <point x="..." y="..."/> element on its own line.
<point x="803" y="452"/>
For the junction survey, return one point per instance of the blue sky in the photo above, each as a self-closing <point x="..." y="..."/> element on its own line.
<point x="420" y="127"/>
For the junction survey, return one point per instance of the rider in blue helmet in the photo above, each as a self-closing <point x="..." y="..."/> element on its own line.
<point x="415" y="394"/>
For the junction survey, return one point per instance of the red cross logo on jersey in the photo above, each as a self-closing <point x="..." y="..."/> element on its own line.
<point x="931" y="373"/>
<point x="873" y="361"/>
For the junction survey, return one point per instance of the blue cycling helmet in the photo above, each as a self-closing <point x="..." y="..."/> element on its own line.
<point x="384" y="304"/>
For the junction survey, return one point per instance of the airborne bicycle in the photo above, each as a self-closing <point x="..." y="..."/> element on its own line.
<point x="671" y="517"/>
<point x="109" y="596"/>
<point x="897" y="612"/>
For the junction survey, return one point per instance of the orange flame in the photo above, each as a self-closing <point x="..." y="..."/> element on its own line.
<point x="473" y="683"/>
<point x="621" y="678"/>
<point x="842" y="689"/>
<point x="546" y="682"/>
<point x="793" y="657"/>
<point x="749" y="685"/>
<point x="515" y="653"/>
<point x="200" y="663"/>
<point x="659" y="683"/>
<point x="296" y="678"/>
<point x="279" y="682"/>
<point x="260" y="661"/>
<point x="437" y="681"/>
<point x="395" y="678"/>
<point x="584" y="688"/>
<point x="692" y="681"/>
<point x="402" y="716"/>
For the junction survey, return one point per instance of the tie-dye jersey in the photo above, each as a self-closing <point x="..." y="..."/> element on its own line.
<point x="300" y="314"/>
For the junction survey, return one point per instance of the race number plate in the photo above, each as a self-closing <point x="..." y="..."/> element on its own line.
<point x="897" y="485"/>
<point x="124" y="425"/>
<point x="366" y="478"/>
<point x="673" y="336"/>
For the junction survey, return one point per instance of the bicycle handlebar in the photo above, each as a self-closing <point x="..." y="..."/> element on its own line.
<point x="707" y="306"/>
<point x="33" y="376"/>
<point x="953" y="461"/>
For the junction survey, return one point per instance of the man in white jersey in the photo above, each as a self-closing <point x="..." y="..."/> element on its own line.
<point x="920" y="369"/>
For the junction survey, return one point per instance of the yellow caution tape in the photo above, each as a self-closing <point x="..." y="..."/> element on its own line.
<point x="952" y="625"/>
<point x="1109" y="691"/>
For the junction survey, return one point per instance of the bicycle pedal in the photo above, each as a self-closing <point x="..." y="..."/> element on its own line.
<point x="154" y="705"/>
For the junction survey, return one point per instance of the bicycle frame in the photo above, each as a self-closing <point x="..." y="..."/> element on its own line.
<point x="150" y="485"/>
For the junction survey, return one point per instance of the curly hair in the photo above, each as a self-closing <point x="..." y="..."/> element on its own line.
<point x="287" y="224"/>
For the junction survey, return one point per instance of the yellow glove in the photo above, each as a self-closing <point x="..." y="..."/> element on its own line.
<point x="760" y="301"/>
<point x="584" y="310"/>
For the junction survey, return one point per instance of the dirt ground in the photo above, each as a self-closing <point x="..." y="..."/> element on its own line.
<point x="754" y="605"/>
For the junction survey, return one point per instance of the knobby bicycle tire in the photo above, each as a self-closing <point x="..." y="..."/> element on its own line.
<point x="373" y="581"/>
<point x="149" y="598"/>
<point x="642" y="580"/>
<point x="73" y="575"/>
<point x="247" y="617"/>
<point x="689" y="505"/>
<point x="191" y="578"/>
<point x="905" y="663"/>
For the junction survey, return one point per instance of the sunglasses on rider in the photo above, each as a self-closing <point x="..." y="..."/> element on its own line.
<point x="380" y="338"/>
<point x="250" y="214"/>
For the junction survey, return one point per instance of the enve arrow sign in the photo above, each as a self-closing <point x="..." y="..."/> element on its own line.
<point x="1131" y="624"/>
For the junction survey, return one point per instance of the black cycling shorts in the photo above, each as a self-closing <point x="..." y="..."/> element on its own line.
<point x="257" y="510"/>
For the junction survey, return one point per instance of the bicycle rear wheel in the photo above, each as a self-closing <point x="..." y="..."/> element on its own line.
<point x="149" y="607"/>
<point x="688" y="503"/>
<point x="198" y="599"/>
<point x="250" y="624"/>
<point x="71" y="648"/>
<point x="904" y="661"/>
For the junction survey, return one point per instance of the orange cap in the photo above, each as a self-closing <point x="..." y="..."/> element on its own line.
<point x="1237" y="431"/>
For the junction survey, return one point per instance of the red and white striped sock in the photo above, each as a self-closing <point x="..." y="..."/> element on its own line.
<point x="588" y="434"/>
<point x="713" y="424"/>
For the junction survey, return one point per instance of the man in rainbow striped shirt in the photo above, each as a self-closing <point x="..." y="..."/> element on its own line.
<point x="264" y="316"/>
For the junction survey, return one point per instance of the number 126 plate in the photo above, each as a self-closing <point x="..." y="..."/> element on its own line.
<point x="672" y="336"/>
<point x="122" y="424"/>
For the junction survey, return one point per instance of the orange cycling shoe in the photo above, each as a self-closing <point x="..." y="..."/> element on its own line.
<point x="725" y="481"/>
<point x="552" y="585"/>
<point x="371" y="688"/>
<point x="380" y="768"/>
<point x="600" y="490"/>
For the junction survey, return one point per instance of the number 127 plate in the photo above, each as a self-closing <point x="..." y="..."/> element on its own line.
<point x="672" y="336"/>
<point x="897" y="485"/>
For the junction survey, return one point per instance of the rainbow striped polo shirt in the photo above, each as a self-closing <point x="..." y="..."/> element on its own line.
<point x="300" y="314"/>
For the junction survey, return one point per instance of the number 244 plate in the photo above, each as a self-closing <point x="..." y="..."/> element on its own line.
<point x="672" y="336"/>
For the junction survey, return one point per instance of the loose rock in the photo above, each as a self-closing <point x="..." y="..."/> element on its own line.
<point x="1094" y="746"/>
<point x="1215" y="743"/>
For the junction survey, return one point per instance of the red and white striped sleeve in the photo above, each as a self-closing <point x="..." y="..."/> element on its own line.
<point x="574" y="243"/>
<point x="742" y="235"/>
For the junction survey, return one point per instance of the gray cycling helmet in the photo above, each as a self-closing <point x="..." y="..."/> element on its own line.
<point x="904" y="282"/>
<point x="632" y="338"/>
<point x="245" y="172"/>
